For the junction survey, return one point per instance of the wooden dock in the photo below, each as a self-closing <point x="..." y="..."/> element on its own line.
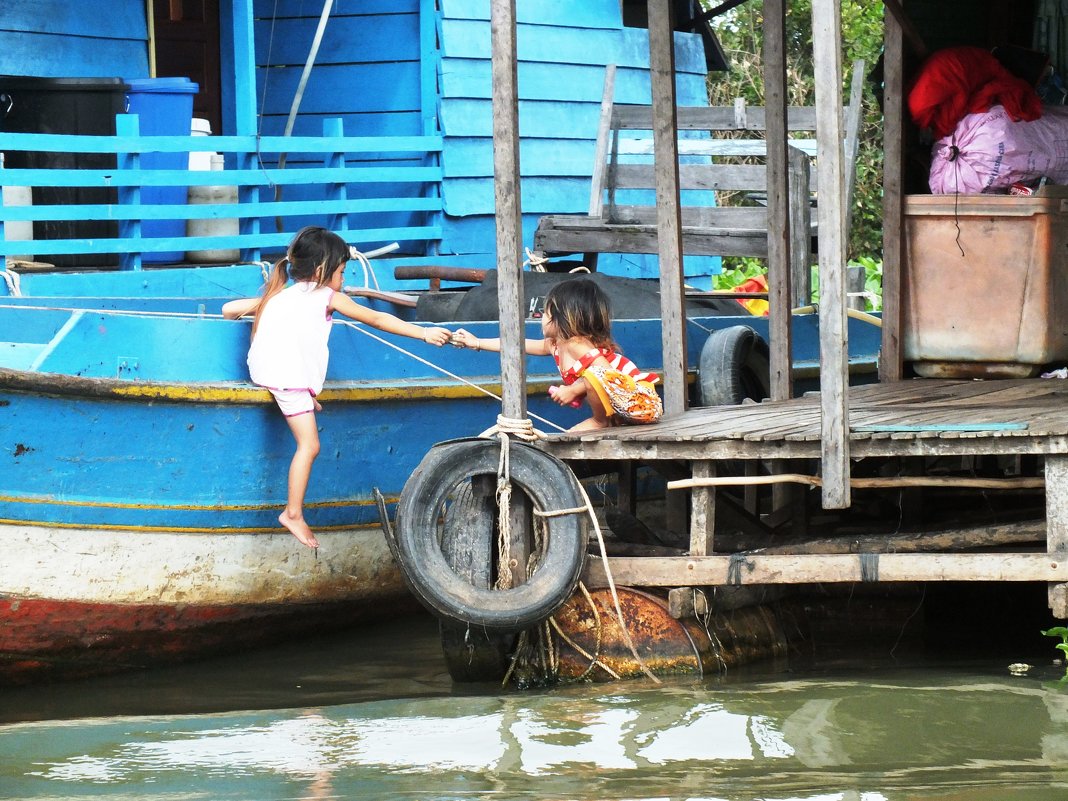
<point x="899" y="423"/>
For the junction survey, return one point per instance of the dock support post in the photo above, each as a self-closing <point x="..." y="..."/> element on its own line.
<point x="1057" y="527"/>
<point x="626" y="486"/>
<point x="702" y="511"/>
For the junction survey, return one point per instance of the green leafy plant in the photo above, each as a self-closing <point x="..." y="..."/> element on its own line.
<point x="1062" y="646"/>
<point x="741" y="33"/>
<point x="737" y="271"/>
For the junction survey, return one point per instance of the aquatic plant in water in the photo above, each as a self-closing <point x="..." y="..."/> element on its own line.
<point x="1062" y="646"/>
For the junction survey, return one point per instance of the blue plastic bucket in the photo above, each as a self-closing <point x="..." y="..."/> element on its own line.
<point x="165" y="108"/>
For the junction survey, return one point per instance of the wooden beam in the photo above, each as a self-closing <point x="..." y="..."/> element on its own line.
<point x="781" y="261"/>
<point x="747" y="569"/>
<point x="244" y="98"/>
<point x="890" y="359"/>
<point x="506" y="185"/>
<point x="668" y="218"/>
<point x="799" y="167"/>
<point x="1057" y="526"/>
<point x="834" y="357"/>
<point x="894" y="9"/>
<point x="600" y="152"/>
<point x="860" y="483"/>
<point x="702" y="510"/>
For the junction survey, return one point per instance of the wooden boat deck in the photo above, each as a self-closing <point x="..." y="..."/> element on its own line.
<point x="913" y="418"/>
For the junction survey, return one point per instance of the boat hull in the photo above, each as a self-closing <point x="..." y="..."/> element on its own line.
<point x="78" y="601"/>
<point x="143" y="476"/>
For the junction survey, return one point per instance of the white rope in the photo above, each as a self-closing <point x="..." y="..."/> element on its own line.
<point x="520" y="428"/>
<point x="453" y="376"/>
<point x="123" y="312"/>
<point x="12" y="280"/>
<point x="504" y="525"/>
<point x="365" y="264"/>
<point x="612" y="585"/>
<point x="536" y="261"/>
<point x="472" y="385"/>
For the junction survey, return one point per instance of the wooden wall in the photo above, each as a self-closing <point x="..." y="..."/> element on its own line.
<point x="369" y="72"/>
<point x="64" y="39"/>
<point x="563" y="48"/>
<point x="396" y="67"/>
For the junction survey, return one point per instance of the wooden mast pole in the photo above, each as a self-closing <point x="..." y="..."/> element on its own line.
<point x="508" y="208"/>
<point x="834" y="362"/>
<point x="668" y="216"/>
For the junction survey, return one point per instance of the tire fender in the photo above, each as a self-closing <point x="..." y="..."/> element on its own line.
<point x="428" y="569"/>
<point x="734" y="365"/>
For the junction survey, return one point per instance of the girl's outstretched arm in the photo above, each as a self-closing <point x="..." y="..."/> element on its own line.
<point x="235" y="309"/>
<point x="384" y="321"/>
<point x="533" y="347"/>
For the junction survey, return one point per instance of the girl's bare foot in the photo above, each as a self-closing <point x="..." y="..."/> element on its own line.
<point x="590" y="424"/>
<point x="299" y="529"/>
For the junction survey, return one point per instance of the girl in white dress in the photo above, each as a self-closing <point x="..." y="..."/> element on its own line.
<point x="289" y="352"/>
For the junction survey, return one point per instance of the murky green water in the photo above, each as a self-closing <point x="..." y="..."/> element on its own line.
<point x="374" y="716"/>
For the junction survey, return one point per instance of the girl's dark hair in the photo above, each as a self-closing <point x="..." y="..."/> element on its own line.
<point x="580" y="308"/>
<point x="315" y="254"/>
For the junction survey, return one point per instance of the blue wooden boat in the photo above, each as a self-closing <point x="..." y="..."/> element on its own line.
<point x="144" y="476"/>
<point x="143" y="471"/>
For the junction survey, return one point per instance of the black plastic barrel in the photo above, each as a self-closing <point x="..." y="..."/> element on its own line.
<point x="65" y="106"/>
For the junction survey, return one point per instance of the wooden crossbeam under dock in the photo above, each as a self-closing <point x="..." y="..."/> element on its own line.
<point x="889" y="421"/>
<point x="839" y="568"/>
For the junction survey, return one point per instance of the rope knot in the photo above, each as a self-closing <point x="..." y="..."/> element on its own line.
<point x="520" y="428"/>
<point x="536" y="261"/>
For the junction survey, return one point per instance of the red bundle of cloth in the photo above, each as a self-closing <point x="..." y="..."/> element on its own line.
<point x="958" y="81"/>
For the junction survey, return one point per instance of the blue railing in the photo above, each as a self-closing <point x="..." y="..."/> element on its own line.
<point x="384" y="189"/>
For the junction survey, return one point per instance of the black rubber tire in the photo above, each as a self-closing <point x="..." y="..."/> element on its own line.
<point x="467" y="536"/>
<point x="473" y="654"/>
<point x="547" y="481"/>
<point x="734" y="366"/>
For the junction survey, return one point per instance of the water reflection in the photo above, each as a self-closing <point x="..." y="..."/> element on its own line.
<point x="903" y="736"/>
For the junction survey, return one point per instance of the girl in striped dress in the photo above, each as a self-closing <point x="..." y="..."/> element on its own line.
<point x="577" y="332"/>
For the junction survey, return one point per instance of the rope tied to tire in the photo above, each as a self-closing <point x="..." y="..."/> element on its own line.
<point x="523" y="430"/>
<point x="504" y="504"/>
<point x="519" y="427"/>
<point x="472" y="597"/>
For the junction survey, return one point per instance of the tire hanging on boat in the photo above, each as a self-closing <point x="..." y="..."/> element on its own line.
<point x="734" y="365"/>
<point x="441" y="570"/>
<point x="467" y="532"/>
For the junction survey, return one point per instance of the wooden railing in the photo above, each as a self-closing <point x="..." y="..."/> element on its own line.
<point x="377" y="189"/>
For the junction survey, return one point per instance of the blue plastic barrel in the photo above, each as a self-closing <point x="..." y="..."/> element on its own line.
<point x="165" y="108"/>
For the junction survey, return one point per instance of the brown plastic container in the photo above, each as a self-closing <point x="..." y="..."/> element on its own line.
<point x="985" y="284"/>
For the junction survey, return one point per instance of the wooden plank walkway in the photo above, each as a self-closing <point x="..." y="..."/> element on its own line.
<point x="906" y="418"/>
<point x="912" y="418"/>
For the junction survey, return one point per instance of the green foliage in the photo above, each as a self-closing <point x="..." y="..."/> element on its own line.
<point x="741" y="33"/>
<point x="738" y="272"/>
<point x="1062" y="646"/>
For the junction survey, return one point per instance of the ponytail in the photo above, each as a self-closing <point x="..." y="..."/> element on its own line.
<point x="315" y="254"/>
<point x="275" y="284"/>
